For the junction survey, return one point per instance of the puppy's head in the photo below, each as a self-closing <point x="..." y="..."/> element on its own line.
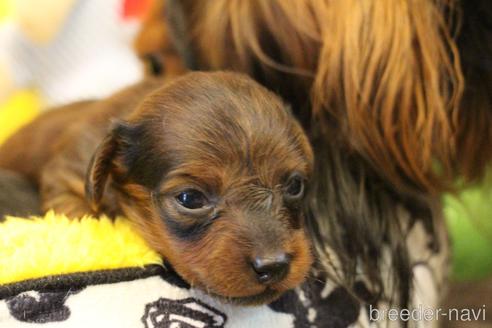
<point x="213" y="169"/>
<point x="158" y="47"/>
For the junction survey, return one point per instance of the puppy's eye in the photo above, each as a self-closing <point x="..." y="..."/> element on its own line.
<point x="294" y="188"/>
<point x="192" y="199"/>
<point x="154" y="63"/>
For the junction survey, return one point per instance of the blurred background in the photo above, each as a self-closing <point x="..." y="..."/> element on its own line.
<point x="54" y="52"/>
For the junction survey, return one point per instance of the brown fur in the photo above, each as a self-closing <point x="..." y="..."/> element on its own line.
<point x="220" y="133"/>
<point x="396" y="97"/>
<point x="383" y="77"/>
<point x="155" y="47"/>
<point x="54" y="149"/>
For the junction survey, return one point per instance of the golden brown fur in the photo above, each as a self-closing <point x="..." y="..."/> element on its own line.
<point x="155" y="47"/>
<point x="386" y="74"/>
<point x="396" y="97"/>
<point x="54" y="149"/>
<point x="220" y="135"/>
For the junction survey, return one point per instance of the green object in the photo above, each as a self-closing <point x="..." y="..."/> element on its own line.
<point x="469" y="218"/>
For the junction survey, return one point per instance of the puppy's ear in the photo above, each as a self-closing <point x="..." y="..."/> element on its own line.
<point x="101" y="164"/>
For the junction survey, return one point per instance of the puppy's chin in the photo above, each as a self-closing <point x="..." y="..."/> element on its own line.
<point x="251" y="297"/>
<point x="251" y="293"/>
<point x="267" y="295"/>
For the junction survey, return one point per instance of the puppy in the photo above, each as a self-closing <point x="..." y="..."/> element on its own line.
<point x="211" y="168"/>
<point x="159" y="50"/>
<point x="388" y="91"/>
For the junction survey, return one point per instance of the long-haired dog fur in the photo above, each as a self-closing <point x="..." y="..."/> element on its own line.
<point x="395" y="96"/>
<point x="212" y="168"/>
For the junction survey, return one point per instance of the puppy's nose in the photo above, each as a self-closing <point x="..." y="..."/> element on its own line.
<point x="271" y="268"/>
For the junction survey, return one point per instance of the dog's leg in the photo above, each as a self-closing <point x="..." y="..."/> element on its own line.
<point x="62" y="185"/>
<point x="62" y="188"/>
<point x="62" y="179"/>
<point x="18" y="196"/>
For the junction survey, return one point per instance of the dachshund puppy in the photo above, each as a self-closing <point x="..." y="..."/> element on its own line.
<point x="158" y="48"/>
<point x="396" y="97"/>
<point x="211" y="168"/>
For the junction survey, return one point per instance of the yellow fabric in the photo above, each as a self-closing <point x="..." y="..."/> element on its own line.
<point x="5" y="9"/>
<point x="53" y="245"/>
<point x="20" y="109"/>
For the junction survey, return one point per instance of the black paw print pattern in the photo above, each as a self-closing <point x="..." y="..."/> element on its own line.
<point x="41" y="307"/>
<point x="184" y="313"/>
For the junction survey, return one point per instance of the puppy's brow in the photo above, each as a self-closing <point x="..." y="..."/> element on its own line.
<point x="179" y="179"/>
